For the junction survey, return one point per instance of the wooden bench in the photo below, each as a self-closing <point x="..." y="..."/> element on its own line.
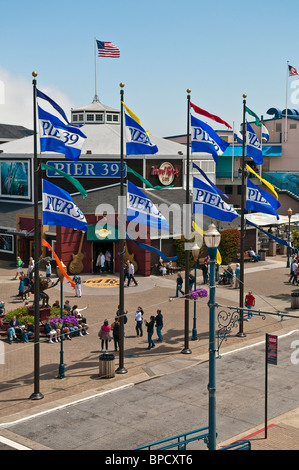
<point x="247" y="257"/>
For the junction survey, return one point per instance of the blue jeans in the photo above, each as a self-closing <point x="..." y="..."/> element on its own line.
<point x="131" y="277"/>
<point x="25" y="336"/>
<point x="151" y="344"/>
<point x="159" y="328"/>
<point x="179" y="288"/>
<point x="11" y="333"/>
<point x="249" y="312"/>
<point x="73" y="330"/>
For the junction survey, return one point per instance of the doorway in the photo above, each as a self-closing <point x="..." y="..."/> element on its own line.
<point x="103" y="248"/>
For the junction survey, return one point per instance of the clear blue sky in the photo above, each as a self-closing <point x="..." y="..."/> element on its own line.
<point x="218" y="49"/>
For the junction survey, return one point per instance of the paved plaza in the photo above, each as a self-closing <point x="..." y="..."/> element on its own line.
<point x="267" y="280"/>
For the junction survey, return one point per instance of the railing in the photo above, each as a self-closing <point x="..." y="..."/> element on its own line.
<point x="242" y="445"/>
<point x="282" y="185"/>
<point x="181" y="440"/>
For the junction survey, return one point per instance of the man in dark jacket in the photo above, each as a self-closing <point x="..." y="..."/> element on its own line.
<point x="150" y="330"/>
<point x="11" y="330"/>
<point x="159" y="324"/>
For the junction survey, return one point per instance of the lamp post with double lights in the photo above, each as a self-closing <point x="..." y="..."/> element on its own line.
<point x="290" y="213"/>
<point x="195" y="254"/>
<point x="212" y="240"/>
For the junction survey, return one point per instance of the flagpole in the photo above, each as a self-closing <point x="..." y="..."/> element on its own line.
<point x="243" y="198"/>
<point x="122" y="231"/>
<point x="286" y="116"/>
<point x="36" y="395"/>
<point x="233" y="152"/>
<point x="186" y="349"/>
<point x="96" y="98"/>
<point x="260" y="168"/>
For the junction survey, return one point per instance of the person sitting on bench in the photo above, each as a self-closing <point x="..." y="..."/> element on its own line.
<point x="252" y="254"/>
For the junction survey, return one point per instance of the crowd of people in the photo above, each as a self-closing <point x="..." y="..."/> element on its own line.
<point x="294" y="269"/>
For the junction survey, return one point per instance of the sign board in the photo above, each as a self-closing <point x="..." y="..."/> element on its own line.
<point x="271" y="349"/>
<point x="87" y="169"/>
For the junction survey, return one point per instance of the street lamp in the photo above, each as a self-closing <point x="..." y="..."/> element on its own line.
<point x="195" y="254"/>
<point x="290" y="213"/>
<point x="212" y="240"/>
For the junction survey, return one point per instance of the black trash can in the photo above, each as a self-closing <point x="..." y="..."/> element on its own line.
<point x="107" y="366"/>
<point x="262" y="254"/>
<point x="295" y="300"/>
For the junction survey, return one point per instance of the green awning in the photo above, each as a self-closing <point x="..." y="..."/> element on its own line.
<point x="102" y="233"/>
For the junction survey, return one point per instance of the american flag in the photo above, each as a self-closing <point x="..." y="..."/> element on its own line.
<point x="292" y="71"/>
<point x="107" y="49"/>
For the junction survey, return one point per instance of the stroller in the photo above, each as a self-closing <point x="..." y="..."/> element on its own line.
<point x="226" y="278"/>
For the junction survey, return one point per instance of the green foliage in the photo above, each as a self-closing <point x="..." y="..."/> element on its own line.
<point x="180" y="252"/>
<point x="295" y="235"/>
<point x="21" y="314"/>
<point x="229" y="245"/>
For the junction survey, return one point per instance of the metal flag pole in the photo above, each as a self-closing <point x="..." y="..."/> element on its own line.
<point x="243" y="199"/>
<point x="186" y="349"/>
<point x="122" y="231"/>
<point x="286" y="115"/>
<point x="36" y="395"/>
<point x="96" y="98"/>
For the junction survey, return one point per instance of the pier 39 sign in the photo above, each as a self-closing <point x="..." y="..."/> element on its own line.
<point x="86" y="169"/>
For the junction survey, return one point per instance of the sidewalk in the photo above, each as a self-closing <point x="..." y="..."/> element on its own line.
<point x="268" y="281"/>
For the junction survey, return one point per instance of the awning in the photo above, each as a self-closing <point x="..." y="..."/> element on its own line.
<point x="102" y="233"/>
<point x="261" y="219"/>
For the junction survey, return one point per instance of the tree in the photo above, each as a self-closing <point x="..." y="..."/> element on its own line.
<point x="229" y="245"/>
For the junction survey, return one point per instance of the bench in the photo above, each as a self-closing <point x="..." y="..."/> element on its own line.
<point x="247" y="257"/>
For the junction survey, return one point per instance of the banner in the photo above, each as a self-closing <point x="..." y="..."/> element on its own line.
<point x="270" y="186"/>
<point x="259" y="200"/>
<point x="205" y="139"/>
<point x="142" y="210"/>
<point x="55" y="136"/>
<point x="138" y="142"/>
<point x="60" y="209"/>
<point x="207" y="201"/>
<point x="219" y="191"/>
<point x="154" y="250"/>
<point x="59" y="264"/>
<point x="209" y="115"/>
<point x="253" y="146"/>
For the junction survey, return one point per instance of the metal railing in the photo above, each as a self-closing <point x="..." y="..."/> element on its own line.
<point x="242" y="445"/>
<point x="181" y="440"/>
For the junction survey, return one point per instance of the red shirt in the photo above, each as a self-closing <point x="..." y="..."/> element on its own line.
<point x="249" y="300"/>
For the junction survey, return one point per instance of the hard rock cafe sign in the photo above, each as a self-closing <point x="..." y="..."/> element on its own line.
<point x="102" y="282"/>
<point x="166" y="173"/>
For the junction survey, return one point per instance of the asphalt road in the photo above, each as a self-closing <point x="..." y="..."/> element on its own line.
<point x="173" y="404"/>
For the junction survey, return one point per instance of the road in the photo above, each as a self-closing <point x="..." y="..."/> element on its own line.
<point x="135" y="415"/>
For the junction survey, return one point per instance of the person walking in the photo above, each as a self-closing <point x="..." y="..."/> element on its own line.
<point x="131" y="274"/>
<point x="104" y="335"/>
<point x="191" y="281"/>
<point x="77" y="281"/>
<point x="249" y="303"/>
<point x="19" y="267"/>
<point x="237" y="274"/>
<point x="159" y="325"/>
<point x="179" y="284"/>
<point x="150" y="330"/>
<point x="48" y="270"/>
<point x="139" y="320"/>
<point x="115" y="332"/>
<point x="205" y="270"/>
<point x="21" y="288"/>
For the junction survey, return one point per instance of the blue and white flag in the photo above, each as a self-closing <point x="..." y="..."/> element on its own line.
<point x="205" y="139"/>
<point x="142" y="210"/>
<point x="238" y="136"/>
<point x="56" y="106"/>
<point x="138" y="142"/>
<point x="259" y="200"/>
<point x="265" y="133"/>
<point x="55" y="136"/>
<point x="254" y="149"/>
<point x="60" y="209"/>
<point x="207" y="201"/>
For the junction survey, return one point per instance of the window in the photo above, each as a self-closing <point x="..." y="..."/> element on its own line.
<point x="99" y="117"/>
<point x="293" y="126"/>
<point x="90" y="117"/>
<point x="278" y="127"/>
<point x="109" y="117"/>
<point x="75" y="117"/>
<point x="228" y="189"/>
<point x="81" y="117"/>
<point x="115" y="117"/>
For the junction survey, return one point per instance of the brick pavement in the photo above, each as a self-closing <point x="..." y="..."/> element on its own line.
<point x="268" y="280"/>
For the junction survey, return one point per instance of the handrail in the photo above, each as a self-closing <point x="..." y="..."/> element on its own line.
<point x="179" y="442"/>
<point x="242" y="445"/>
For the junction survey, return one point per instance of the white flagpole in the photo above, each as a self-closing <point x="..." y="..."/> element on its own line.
<point x="96" y="98"/>
<point x="233" y="152"/>
<point x="286" y="116"/>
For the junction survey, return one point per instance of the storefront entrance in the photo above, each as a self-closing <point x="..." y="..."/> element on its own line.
<point x="100" y="248"/>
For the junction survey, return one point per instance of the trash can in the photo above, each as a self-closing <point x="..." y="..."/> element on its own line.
<point x="262" y="254"/>
<point x="107" y="366"/>
<point x="295" y="300"/>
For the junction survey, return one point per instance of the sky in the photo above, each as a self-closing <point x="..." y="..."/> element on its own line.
<point x="219" y="50"/>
